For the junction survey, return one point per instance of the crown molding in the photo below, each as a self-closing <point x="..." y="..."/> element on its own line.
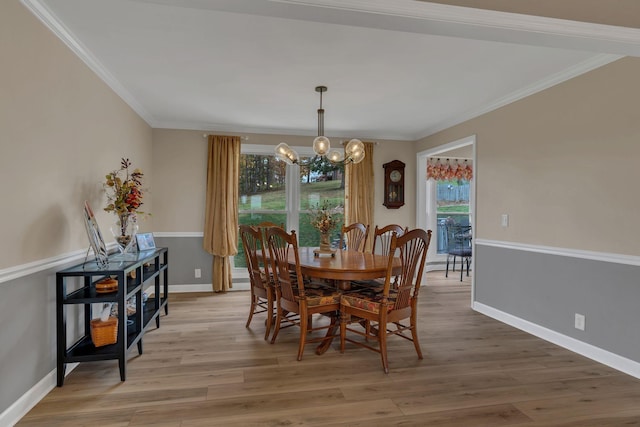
<point x="481" y="18"/>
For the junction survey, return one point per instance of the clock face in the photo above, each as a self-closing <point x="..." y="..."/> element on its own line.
<point x="395" y="175"/>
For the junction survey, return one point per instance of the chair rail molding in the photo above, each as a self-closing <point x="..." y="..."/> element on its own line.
<point x="574" y="253"/>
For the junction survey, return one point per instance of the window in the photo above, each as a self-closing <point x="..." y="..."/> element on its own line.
<point x="269" y="192"/>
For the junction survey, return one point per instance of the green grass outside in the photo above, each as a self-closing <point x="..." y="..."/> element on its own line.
<point x="453" y="208"/>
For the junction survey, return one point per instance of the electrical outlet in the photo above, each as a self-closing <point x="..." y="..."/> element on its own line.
<point x="579" y="322"/>
<point x="504" y="221"/>
<point x="198" y="273"/>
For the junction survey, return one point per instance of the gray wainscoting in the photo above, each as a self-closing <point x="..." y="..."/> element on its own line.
<point x="185" y="255"/>
<point x="548" y="290"/>
<point x="28" y="333"/>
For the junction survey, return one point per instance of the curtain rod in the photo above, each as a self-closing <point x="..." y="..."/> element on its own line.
<point x="246" y="138"/>
<point x="243" y="138"/>
<point x="342" y="142"/>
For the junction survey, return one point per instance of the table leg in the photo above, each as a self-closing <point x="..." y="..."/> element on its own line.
<point x="331" y="332"/>
<point x="343" y="285"/>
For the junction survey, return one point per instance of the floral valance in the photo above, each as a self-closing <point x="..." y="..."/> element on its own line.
<point x="449" y="169"/>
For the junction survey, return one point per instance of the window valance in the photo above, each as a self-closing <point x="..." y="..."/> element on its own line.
<point x="449" y="169"/>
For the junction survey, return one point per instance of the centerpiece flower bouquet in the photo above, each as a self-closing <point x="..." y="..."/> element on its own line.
<point x="324" y="218"/>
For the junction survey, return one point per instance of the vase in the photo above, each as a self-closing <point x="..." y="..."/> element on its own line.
<point x="325" y="245"/>
<point x="124" y="231"/>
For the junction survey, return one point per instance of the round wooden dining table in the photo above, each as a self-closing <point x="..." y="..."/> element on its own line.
<point x="344" y="266"/>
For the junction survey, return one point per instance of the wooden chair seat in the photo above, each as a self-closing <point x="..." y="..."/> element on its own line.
<point x="368" y="302"/>
<point x="322" y="296"/>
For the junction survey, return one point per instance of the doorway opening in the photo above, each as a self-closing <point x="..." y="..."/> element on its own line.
<point x="427" y="215"/>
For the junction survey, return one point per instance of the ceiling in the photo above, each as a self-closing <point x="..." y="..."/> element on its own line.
<point x="395" y="69"/>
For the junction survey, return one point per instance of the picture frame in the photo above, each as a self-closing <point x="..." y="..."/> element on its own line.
<point x="145" y="241"/>
<point x="95" y="237"/>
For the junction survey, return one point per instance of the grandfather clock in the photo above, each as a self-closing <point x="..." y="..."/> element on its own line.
<point x="393" y="184"/>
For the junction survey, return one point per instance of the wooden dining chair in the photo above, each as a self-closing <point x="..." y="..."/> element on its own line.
<point x="262" y="290"/>
<point x="381" y="246"/>
<point x="296" y="297"/>
<point x="382" y="237"/>
<point x="375" y="316"/>
<point x="353" y="237"/>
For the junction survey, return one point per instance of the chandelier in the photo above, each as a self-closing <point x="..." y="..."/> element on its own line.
<point x="353" y="151"/>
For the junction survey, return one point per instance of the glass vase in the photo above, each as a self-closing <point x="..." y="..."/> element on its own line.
<point x="124" y="231"/>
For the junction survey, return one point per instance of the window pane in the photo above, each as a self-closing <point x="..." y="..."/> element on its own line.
<point x="261" y="190"/>
<point x="452" y="200"/>
<point x="262" y="183"/>
<point x="321" y="181"/>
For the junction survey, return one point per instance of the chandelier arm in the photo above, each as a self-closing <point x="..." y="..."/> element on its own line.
<point x="354" y="150"/>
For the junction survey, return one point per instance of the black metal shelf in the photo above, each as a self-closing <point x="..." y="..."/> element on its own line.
<point x="134" y="274"/>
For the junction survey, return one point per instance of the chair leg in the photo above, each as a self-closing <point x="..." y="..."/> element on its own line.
<point x="269" y="316"/>
<point x="382" y="340"/>
<point x="303" y="335"/>
<point x="252" y="310"/>
<point x="414" y="329"/>
<point x="344" y="317"/>
<point x="446" y="274"/>
<point x="277" y="325"/>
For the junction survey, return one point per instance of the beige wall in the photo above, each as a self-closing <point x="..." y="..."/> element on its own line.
<point x="61" y="130"/>
<point x="562" y="163"/>
<point x="180" y="164"/>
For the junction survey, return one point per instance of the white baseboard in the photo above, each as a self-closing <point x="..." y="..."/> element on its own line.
<point x="22" y="406"/>
<point x="605" y="357"/>
<point x="204" y="287"/>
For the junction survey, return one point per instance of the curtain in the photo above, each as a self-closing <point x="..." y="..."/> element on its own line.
<point x="449" y="169"/>
<point x="359" y="192"/>
<point x="221" y="210"/>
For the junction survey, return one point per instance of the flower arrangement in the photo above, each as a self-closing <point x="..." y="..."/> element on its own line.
<point x="124" y="195"/>
<point x="322" y="218"/>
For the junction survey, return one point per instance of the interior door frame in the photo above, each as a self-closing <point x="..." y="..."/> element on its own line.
<point x="425" y="197"/>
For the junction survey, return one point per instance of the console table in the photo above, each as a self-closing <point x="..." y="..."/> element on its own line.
<point x="135" y="273"/>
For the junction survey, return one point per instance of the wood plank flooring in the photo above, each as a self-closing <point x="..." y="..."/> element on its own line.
<point x="204" y="368"/>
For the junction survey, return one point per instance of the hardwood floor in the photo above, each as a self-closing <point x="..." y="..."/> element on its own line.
<point x="203" y="368"/>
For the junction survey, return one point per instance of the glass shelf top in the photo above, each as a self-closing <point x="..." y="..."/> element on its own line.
<point x="117" y="262"/>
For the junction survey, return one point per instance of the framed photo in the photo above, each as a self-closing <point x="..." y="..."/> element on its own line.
<point x="95" y="237"/>
<point x="145" y="241"/>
